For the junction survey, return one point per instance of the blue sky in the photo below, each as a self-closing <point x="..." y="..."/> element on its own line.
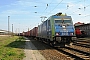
<point x="26" y="14"/>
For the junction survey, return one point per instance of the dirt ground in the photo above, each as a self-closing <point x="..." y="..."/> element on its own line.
<point x="31" y="52"/>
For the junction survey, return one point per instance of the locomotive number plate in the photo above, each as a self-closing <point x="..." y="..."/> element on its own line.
<point x="65" y="33"/>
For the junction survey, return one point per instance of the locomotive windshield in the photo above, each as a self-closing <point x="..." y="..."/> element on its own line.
<point x="63" y="21"/>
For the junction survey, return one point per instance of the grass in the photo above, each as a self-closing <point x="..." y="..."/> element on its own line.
<point x="11" y="48"/>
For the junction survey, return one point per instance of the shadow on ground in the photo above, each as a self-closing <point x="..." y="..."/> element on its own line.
<point x="17" y="44"/>
<point x="30" y="44"/>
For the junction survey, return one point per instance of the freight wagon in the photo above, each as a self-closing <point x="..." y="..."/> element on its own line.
<point x="57" y="29"/>
<point x="33" y="32"/>
<point x="26" y="34"/>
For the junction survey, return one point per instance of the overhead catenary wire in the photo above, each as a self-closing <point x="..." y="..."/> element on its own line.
<point x="61" y="3"/>
<point x="87" y="5"/>
<point x="68" y="7"/>
<point x="43" y="17"/>
<point x="55" y="6"/>
<point x="65" y="3"/>
<point x="80" y="8"/>
<point x="75" y="11"/>
<point x="87" y="15"/>
<point x="47" y="5"/>
<point x="45" y="8"/>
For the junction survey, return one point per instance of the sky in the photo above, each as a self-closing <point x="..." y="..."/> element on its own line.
<point x="26" y="14"/>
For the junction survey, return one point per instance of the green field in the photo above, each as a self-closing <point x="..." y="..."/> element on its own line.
<point x="11" y="48"/>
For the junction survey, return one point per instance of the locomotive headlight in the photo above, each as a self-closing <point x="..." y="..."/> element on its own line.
<point x="57" y="33"/>
<point x="63" y="26"/>
<point x="71" y="33"/>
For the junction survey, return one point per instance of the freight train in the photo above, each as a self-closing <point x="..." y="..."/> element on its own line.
<point x="58" y="29"/>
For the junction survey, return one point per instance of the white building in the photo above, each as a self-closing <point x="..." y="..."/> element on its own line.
<point x="3" y="32"/>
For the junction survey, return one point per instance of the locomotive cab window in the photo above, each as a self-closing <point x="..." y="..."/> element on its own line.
<point x="63" y="21"/>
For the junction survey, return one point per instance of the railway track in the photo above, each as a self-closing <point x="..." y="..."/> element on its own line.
<point x="82" y="45"/>
<point x="80" y="50"/>
<point x="83" y="42"/>
<point x="75" y="53"/>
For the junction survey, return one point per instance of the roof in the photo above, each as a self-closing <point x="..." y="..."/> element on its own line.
<point x="84" y="24"/>
<point x="3" y="30"/>
<point x="78" y="23"/>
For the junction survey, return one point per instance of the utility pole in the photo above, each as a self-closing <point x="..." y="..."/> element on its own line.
<point x="8" y="24"/>
<point x="12" y="29"/>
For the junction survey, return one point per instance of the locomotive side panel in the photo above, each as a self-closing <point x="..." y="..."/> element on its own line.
<point x="39" y="31"/>
<point x="44" y="30"/>
<point x="49" y="31"/>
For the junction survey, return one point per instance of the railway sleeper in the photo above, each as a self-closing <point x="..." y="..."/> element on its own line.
<point x="74" y="54"/>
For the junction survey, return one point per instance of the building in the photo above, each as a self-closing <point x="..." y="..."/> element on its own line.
<point x="4" y="32"/>
<point x="78" y="23"/>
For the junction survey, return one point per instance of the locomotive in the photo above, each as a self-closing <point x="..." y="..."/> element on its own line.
<point x="57" y="30"/>
<point x="80" y="33"/>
